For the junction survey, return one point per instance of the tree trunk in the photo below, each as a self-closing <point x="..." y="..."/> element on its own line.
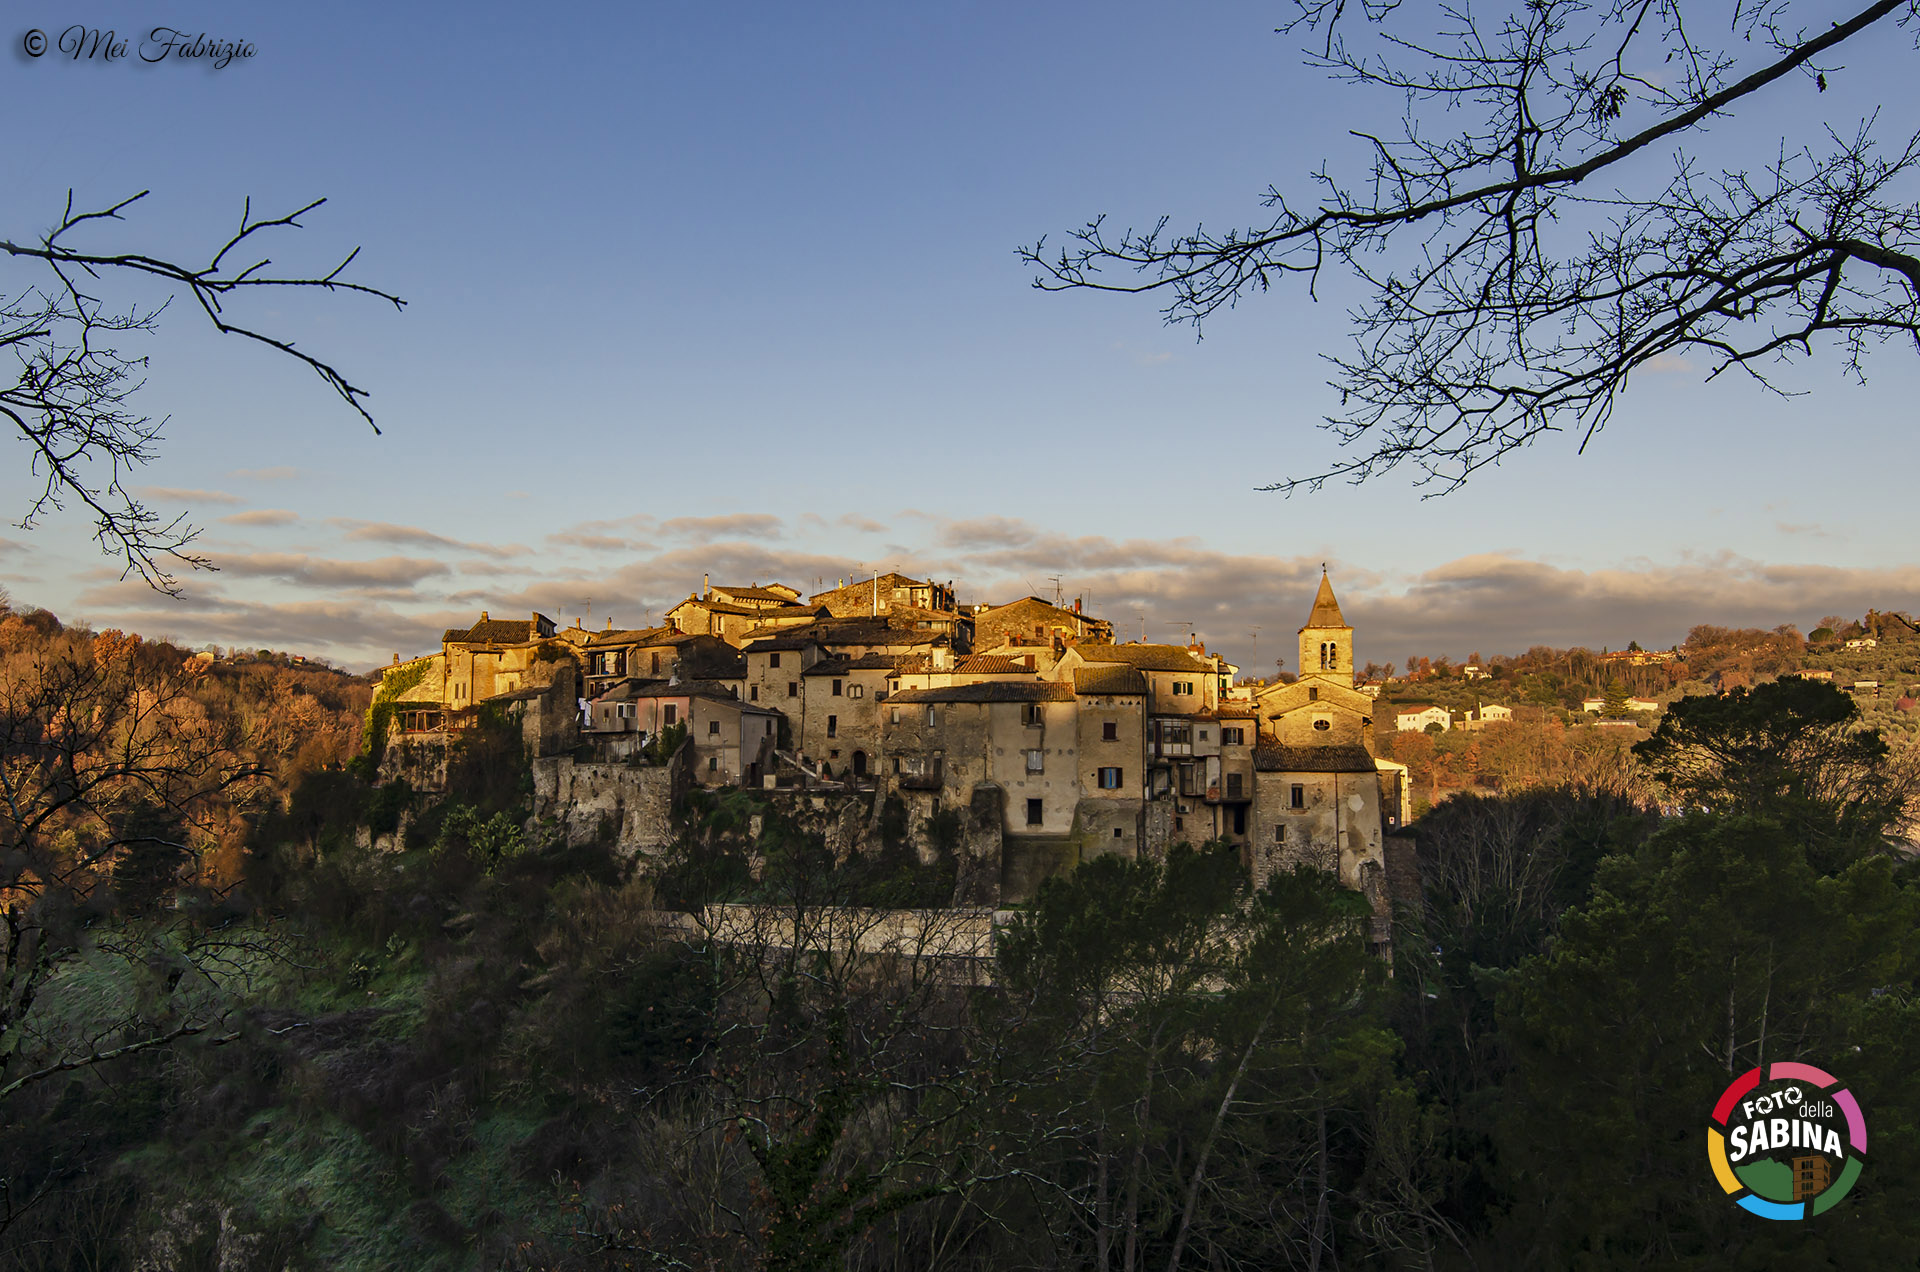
<point x="1206" y="1148"/>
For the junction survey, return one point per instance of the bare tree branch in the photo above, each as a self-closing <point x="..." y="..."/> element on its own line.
<point x="1503" y="295"/>
<point x="70" y="401"/>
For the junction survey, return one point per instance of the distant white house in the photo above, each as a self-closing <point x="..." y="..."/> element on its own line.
<point x="1863" y="642"/>
<point x="1417" y="721"/>
<point x="1492" y="712"/>
<point x="1634" y="705"/>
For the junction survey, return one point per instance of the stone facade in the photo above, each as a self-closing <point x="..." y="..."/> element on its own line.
<point x="630" y="805"/>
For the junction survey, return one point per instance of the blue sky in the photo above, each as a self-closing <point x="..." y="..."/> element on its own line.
<point x="733" y="289"/>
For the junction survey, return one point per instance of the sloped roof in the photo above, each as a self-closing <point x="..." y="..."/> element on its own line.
<point x="1313" y="759"/>
<point x="634" y="688"/>
<point x="493" y="631"/>
<point x="629" y="636"/>
<point x="989" y="691"/>
<point x="717" y="607"/>
<point x="1145" y="657"/>
<point x="1326" y="610"/>
<point x="991" y="665"/>
<point x="756" y="594"/>
<point x="1112" y="680"/>
<point x="774" y="644"/>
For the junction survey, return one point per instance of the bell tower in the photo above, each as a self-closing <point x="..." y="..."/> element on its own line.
<point x="1326" y="642"/>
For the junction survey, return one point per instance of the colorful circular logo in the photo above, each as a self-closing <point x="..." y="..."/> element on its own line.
<point x="1788" y="1147"/>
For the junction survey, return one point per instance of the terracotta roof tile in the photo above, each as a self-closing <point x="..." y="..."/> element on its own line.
<point x="989" y="691"/>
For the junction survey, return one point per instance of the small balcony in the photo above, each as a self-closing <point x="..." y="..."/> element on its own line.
<point x="920" y="773"/>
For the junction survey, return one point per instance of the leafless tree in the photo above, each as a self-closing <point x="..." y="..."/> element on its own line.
<point x="72" y="399"/>
<point x="1539" y="227"/>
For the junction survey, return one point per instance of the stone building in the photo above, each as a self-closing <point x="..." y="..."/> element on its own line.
<point x="1322" y="707"/>
<point x="1321" y="797"/>
<point x="731" y="612"/>
<point x="493" y="656"/>
<point x="733" y="741"/>
<point x="876" y="597"/>
<point x="1030" y="622"/>
<point x="838" y="726"/>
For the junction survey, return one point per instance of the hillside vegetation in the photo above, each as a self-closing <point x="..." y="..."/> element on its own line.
<point x="480" y="1048"/>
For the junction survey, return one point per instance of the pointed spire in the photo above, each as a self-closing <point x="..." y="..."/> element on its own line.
<point x="1326" y="610"/>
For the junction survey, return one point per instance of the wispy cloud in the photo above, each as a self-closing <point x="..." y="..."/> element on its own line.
<point x="178" y="494"/>
<point x="319" y="572"/>
<point x="262" y="517"/>
<point x="280" y="472"/>
<point x="419" y="537"/>
<point x="752" y="525"/>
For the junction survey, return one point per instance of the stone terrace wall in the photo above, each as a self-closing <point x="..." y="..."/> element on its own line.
<point x="632" y="803"/>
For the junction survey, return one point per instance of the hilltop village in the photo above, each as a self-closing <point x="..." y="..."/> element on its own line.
<point x="1054" y="742"/>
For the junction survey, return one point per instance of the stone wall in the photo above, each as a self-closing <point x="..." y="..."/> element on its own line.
<point x="632" y="804"/>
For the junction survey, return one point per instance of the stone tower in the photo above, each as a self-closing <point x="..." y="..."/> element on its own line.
<point x="1326" y="642"/>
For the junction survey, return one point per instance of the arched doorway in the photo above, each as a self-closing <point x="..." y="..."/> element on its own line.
<point x="859" y="763"/>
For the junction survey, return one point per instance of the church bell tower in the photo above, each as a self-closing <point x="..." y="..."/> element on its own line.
<point x="1326" y="642"/>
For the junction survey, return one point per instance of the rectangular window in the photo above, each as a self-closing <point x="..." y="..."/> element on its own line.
<point x="670" y="713"/>
<point x="713" y="763"/>
<point x="1299" y="796"/>
<point x="931" y="718"/>
<point x="713" y="728"/>
<point x="1109" y="779"/>
<point x="1179" y="823"/>
<point x="836" y="688"/>
<point x="896" y="715"/>
<point x="1280" y="833"/>
<point x="1036" y="812"/>
<point x="833" y="726"/>
<point x="1031" y="714"/>
<point x="1233" y="737"/>
<point x="1110" y="731"/>
<point x="1203" y="735"/>
<point x="793" y="689"/>
<point x="896" y="764"/>
<point x="1116" y="832"/>
<point x="1036" y="761"/>
<point x="1233" y="786"/>
<point x="773" y="660"/>
<point x="753" y="693"/>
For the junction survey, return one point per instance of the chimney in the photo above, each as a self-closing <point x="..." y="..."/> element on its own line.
<point x="609" y="624"/>
<point x="483" y="616"/>
<point x="706" y="586"/>
<point x="1076" y="605"/>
